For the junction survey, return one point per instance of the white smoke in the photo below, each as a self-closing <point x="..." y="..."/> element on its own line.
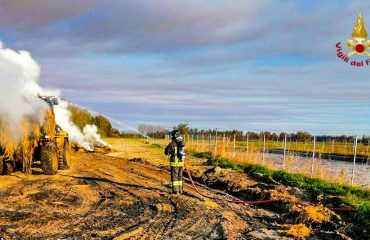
<point x="18" y="80"/>
<point x="19" y="76"/>
<point x="91" y="134"/>
<point x="63" y="119"/>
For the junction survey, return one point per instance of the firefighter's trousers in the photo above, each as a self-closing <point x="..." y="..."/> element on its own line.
<point x="176" y="179"/>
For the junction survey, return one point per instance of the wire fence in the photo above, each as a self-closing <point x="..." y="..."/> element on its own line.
<point x="334" y="161"/>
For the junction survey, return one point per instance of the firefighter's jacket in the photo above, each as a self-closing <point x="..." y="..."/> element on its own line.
<point x="176" y="152"/>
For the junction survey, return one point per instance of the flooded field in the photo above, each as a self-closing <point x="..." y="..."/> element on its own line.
<point x="340" y="171"/>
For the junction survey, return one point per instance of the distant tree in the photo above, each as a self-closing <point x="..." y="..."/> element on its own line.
<point x="183" y="128"/>
<point x="274" y="137"/>
<point x="143" y="129"/>
<point x="153" y="131"/>
<point x="365" y="139"/>
<point x="267" y="136"/>
<point x="114" y="132"/>
<point x="81" y="117"/>
<point x="252" y="135"/>
<point x="103" y="124"/>
<point x="130" y="134"/>
<point x="282" y="136"/>
<point x="238" y="135"/>
<point x="303" y="136"/>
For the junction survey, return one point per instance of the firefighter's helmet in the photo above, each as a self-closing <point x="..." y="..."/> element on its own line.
<point x="175" y="133"/>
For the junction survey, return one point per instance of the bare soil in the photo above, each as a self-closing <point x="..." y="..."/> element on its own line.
<point x="126" y="195"/>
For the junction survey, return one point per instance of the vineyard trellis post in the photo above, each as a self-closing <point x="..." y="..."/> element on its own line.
<point x="354" y="159"/>
<point x="192" y="141"/>
<point x="203" y="142"/>
<point x="215" y="145"/>
<point x="263" y="150"/>
<point x="284" y="151"/>
<point x="247" y="142"/>
<point x="196" y="145"/>
<point x="332" y="147"/>
<point x="234" y="147"/>
<point x="226" y="144"/>
<point x="209" y="141"/>
<point x="323" y="147"/>
<point x="313" y="155"/>
<point x="367" y="152"/>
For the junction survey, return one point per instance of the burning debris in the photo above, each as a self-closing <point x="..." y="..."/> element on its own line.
<point x="88" y="139"/>
<point x="91" y="136"/>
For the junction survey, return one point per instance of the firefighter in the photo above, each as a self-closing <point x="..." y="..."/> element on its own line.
<point x="176" y="153"/>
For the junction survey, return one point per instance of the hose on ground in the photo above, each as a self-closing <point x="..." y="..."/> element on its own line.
<point x="253" y="202"/>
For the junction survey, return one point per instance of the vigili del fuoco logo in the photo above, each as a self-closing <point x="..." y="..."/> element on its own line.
<point x="357" y="46"/>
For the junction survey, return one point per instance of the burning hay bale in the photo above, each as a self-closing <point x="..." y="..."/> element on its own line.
<point x="21" y="149"/>
<point x="11" y="144"/>
<point x="25" y="119"/>
<point x="49" y="123"/>
<point x="8" y="143"/>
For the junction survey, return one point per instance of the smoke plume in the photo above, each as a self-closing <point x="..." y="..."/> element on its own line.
<point x="19" y="87"/>
<point x="92" y="136"/>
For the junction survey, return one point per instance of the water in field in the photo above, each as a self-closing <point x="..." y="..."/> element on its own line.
<point x="340" y="171"/>
<point x="331" y="170"/>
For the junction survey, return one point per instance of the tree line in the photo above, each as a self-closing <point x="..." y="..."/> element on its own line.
<point x="81" y="117"/>
<point x="146" y="130"/>
<point x="299" y="136"/>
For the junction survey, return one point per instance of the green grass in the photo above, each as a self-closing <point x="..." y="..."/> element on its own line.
<point x="353" y="196"/>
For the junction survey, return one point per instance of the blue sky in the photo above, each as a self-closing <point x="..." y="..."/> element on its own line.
<point x="249" y="65"/>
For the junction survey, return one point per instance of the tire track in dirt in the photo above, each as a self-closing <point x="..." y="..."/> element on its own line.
<point x="104" y="197"/>
<point x="199" y="200"/>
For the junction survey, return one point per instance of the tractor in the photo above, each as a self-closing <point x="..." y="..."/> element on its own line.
<point x="47" y="145"/>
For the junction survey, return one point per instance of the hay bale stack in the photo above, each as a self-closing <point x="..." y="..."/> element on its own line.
<point x="21" y="147"/>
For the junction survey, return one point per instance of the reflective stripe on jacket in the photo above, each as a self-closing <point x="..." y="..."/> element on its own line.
<point x="177" y="183"/>
<point x="176" y="164"/>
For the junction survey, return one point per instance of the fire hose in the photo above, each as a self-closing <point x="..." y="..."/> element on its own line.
<point x="253" y="202"/>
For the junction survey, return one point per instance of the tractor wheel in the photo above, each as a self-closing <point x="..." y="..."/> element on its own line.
<point x="49" y="159"/>
<point x="7" y="168"/>
<point x="65" y="158"/>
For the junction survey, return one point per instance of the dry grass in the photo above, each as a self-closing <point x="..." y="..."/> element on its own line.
<point x="299" y="231"/>
<point x="7" y="142"/>
<point x="136" y="148"/>
<point x="49" y="123"/>
<point x="282" y="195"/>
<point x="317" y="214"/>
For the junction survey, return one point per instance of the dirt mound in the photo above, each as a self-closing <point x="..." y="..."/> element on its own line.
<point x="291" y="217"/>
